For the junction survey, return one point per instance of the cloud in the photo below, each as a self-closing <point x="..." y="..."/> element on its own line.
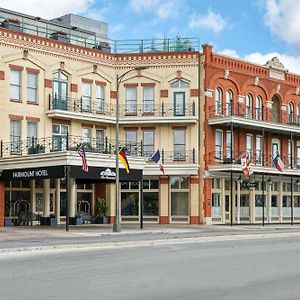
<point x="160" y="9"/>
<point x="229" y="52"/>
<point x="282" y="18"/>
<point x="48" y="9"/>
<point x="211" y="21"/>
<point x="116" y="28"/>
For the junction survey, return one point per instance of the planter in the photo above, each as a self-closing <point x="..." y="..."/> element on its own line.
<point x="8" y="222"/>
<point x="75" y="221"/>
<point x="49" y="221"/>
<point x="101" y="220"/>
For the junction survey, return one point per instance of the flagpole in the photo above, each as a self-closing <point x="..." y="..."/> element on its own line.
<point x="292" y="190"/>
<point x="231" y="174"/>
<point x="141" y="204"/>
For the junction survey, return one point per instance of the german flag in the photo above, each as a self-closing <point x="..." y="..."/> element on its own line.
<point x="123" y="159"/>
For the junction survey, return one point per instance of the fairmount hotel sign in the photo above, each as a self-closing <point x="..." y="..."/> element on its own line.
<point x="31" y="174"/>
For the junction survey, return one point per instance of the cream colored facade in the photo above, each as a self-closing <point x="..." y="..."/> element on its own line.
<point x="84" y="74"/>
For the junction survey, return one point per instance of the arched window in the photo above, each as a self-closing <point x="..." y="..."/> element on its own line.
<point x="229" y="100"/>
<point x="249" y="106"/>
<point x="60" y="90"/>
<point x="291" y="113"/>
<point x="218" y="101"/>
<point x="298" y="115"/>
<point x="258" y="108"/>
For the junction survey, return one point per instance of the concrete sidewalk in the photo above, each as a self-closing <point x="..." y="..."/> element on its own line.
<point x="24" y="238"/>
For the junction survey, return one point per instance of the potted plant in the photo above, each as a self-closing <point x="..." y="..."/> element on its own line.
<point x="49" y="221"/>
<point x="101" y="217"/>
<point x="38" y="148"/>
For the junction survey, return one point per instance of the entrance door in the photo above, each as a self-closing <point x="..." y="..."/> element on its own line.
<point x="275" y="148"/>
<point x="60" y="90"/>
<point x="275" y="109"/>
<point x="227" y="208"/>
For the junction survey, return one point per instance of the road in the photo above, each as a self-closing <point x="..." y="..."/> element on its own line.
<point x="235" y="269"/>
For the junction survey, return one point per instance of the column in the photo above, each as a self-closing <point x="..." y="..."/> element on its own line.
<point x="2" y="203"/>
<point x="72" y="197"/>
<point x="164" y="200"/>
<point x="238" y="203"/>
<point x="194" y="200"/>
<point x="57" y="199"/>
<point x="32" y="196"/>
<point x="111" y="197"/>
<point x="207" y="200"/>
<point x="252" y="205"/>
<point x="46" y="208"/>
<point x="280" y="200"/>
<point x="269" y="202"/>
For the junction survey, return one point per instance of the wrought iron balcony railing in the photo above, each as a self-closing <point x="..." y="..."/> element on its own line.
<point x="253" y="113"/>
<point x="72" y="143"/>
<point x="100" y="107"/>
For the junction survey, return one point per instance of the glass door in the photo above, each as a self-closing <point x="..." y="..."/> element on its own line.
<point x="179" y="104"/>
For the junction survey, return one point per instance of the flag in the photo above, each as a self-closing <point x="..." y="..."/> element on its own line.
<point x="157" y="159"/>
<point x="81" y="152"/>
<point x="123" y="159"/>
<point x="246" y="165"/>
<point x="278" y="163"/>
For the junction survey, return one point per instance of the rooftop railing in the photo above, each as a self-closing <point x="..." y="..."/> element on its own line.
<point x="76" y="36"/>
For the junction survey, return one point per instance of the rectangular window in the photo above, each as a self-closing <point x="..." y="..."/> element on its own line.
<point x="59" y="137"/>
<point x="290" y="153"/>
<point x="218" y="144"/>
<point x="179" y="145"/>
<point x="15" y="135"/>
<point x="32" y="81"/>
<point x="228" y="144"/>
<point x="100" y="98"/>
<point x="32" y="134"/>
<point x="100" y="140"/>
<point x="86" y="96"/>
<point x="148" y="143"/>
<point x="15" y="84"/>
<point x="249" y="144"/>
<point x="179" y="104"/>
<point x="258" y="151"/>
<point x="179" y="196"/>
<point x="148" y="99"/>
<point x="87" y="136"/>
<point x="131" y="101"/>
<point x="298" y="155"/>
<point x="131" y="142"/>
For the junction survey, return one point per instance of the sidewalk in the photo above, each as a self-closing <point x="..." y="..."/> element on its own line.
<point x="24" y="238"/>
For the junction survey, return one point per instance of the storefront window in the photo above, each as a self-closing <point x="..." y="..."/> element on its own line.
<point x="150" y="194"/>
<point x="179" y="196"/>
<point x="130" y="204"/>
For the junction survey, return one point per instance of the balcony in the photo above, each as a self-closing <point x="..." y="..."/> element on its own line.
<point x="34" y="146"/>
<point x="101" y="112"/>
<point x="254" y="118"/>
<point x="221" y="161"/>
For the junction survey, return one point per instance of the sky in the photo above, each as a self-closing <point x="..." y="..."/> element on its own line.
<point x="254" y="30"/>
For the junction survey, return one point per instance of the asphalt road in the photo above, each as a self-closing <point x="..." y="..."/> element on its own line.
<point x="236" y="269"/>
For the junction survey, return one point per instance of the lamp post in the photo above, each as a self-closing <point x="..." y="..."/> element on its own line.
<point x="117" y="224"/>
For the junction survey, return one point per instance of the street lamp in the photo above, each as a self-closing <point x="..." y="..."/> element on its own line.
<point x="117" y="224"/>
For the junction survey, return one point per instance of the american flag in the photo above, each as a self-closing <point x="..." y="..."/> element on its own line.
<point x="81" y="152"/>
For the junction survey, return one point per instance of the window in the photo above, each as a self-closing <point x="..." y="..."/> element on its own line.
<point x="179" y="104"/>
<point x="87" y="135"/>
<point x="148" y="143"/>
<point x="15" y="85"/>
<point x="298" y="155"/>
<point x="60" y="90"/>
<point x="218" y="101"/>
<point x="179" y="195"/>
<point x="258" y="151"/>
<point x="32" y="87"/>
<point x="218" y="144"/>
<point x="131" y="100"/>
<point x="180" y="83"/>
<point x="131" y="142"/>
<point x="228" y="144"/>
<point x="249" y="144"/>
<point x="100" y="140"/>
<point x="86" y="97"/>
<point x="229" y="100"/>
<point x="290" y="153"/>
<point x="298" y="114"/>
<point x="179" y="144"/>
<point x="291" y="113"/>
<point x="249" y="106"/>
<point x="100" y="98"/>
<point x="148" y="99"/>
<point x="32" y="134"/>
<point x="258" y="108"/>
<point x="15" y="135"/>
<point x="59" y="136"/>
<point x="150" y="197"/>
<point x="130" y="199"/>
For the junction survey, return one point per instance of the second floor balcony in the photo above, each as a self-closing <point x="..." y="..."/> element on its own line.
<point x="100" y="111"/>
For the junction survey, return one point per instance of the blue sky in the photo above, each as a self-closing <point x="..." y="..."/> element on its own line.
<point x="254" y="30"/>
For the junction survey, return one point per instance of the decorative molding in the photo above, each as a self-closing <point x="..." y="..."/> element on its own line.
<point x="297" y="90"/>
<point x="278" y="87"/>
<point x="269" y="104"/>
<point x="226" y="74"/>
<point x="283" y="107"/>
<point x="274" y="63"/>
<point x="208" y="93"/>
<point x="256" y="80"/>
<point x="241" y="99"/>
